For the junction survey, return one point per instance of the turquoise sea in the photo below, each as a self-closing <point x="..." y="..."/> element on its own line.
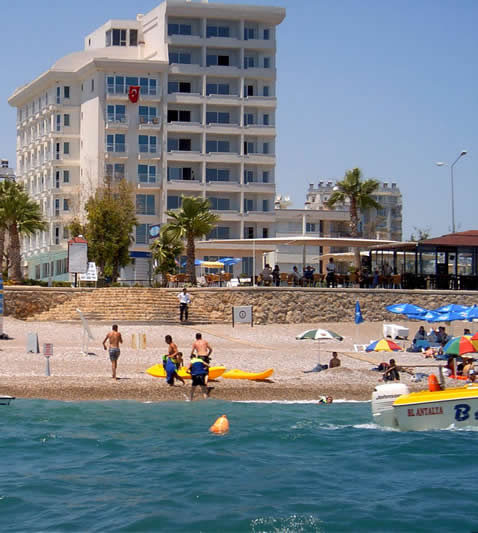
<point x="129" y="466"/>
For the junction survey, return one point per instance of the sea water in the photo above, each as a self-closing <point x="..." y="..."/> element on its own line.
<point x="283" y="467"/>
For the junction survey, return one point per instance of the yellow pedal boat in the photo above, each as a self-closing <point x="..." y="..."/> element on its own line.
<point x="158" y="371"/>
<point x="241" y="374"/>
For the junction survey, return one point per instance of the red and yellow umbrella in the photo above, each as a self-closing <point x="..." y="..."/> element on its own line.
<point x="383" y="345"/>
<point x="459" y="346"/>
<point x="474" y="341"/>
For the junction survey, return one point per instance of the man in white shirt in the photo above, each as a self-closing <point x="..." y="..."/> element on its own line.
<point x="331" y="273"/>
<point x="184" y="301"/>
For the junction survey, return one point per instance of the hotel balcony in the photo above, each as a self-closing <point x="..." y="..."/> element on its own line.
<point x="259" y="186"/>
<point x="223" y="99"/>
<point x="221" y="128"/>
<point x="232" y="185"/>
<point x="260" y="159"/>
<point x="259" y="73"/>
<point x="148" y="153"/>
<point x="184" y="155"/>
<point x="261" y="101"/>
<point x="143" y="182"/>
<point x="118" y="122"/>
<point x="149" y="123"/>
<point x="185" y="40"/>
<point x="191" y="127"/>
<point x="260" y="129"/>
<point x="223" y="157"/>
<point x="184" y="185"/>
<point x="186" y="68"/>
<point x="184" y="98"/>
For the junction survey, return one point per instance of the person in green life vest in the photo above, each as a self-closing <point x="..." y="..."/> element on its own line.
<point x="199" y="371"/>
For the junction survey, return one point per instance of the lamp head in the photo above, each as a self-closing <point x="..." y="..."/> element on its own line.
<point x="440" y="164"/>
<point x="463" y="152"/>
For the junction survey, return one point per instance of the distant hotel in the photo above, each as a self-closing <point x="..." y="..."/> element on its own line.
<point x="203" y="124"/>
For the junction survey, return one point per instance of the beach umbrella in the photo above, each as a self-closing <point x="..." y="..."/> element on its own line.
<point x="474" y="340"/>
<point x="472" y="313"/>
<point x="383" y="345"/>
<point x="228" y="261"/>
<point x="212" y="264"/>
<point x="448" y="316"/>
<point x="459" y="346"/>
<point x="358" y="313"/>
<point x="429" y="316"/>
<point x="451" y="308"/>
<point x="406" y="309"/>
<point x="319" y="335"/>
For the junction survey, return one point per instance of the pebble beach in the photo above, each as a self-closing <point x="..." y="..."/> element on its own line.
<point x="76" y="376"/>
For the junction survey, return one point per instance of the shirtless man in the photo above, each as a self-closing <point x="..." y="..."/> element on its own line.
<point x="202" y="350"/>
<point x="114" y="338"/>
<point x="172" y="361"/>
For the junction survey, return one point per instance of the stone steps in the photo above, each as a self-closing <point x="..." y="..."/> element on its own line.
<point x="135" y="305"/>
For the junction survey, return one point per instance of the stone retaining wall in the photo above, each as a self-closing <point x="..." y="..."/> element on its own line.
<point x="271" y="305"/>
<point x="22" y="302"/>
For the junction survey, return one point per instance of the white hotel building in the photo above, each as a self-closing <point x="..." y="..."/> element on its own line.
<point x="204" y="124"/>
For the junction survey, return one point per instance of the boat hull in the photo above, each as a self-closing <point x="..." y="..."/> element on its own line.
<point x="5" y="400"/>
<point x="426" y="410"/>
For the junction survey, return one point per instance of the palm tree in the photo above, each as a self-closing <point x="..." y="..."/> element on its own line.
<point x="164" y="250"/>
<point x="358" y="193"/>
<point x="20" y="215"/>
<point x="193" y="221"/>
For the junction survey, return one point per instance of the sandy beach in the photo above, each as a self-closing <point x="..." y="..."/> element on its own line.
<point x="76" y="376"/>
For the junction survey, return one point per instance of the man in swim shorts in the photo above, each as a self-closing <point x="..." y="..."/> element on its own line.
<point x="198" y="370"/>
<point x="114" y="338"/>
<point x="203" y="350"/>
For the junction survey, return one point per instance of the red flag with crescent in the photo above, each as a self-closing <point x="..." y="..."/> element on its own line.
<point x="133" y="93"/>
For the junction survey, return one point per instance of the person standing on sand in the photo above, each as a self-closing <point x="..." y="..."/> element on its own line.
<point x="203" y="350"/>
<point x="114" y="338"/>
<point x="198" y="370"/>
<point x="172" y="362"/>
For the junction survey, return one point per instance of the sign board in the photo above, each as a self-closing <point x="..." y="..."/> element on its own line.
<point x="242" y="314"/>
<point x="77" y="256"/>
<point x="154" y="231"/>
<point x="48" y="349"/>
<point x="91" y="274"/>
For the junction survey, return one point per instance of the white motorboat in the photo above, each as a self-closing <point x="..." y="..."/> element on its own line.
<point x="5" y="400"/>
<point x="393" y="405"/>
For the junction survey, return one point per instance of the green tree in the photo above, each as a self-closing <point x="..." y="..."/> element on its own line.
<point x="20" y="216"/>
<point x="165" y="249"/>
<point x="76" y="228"/>
<point x="110" y="221"/>
<point x="193" y="221"/>
<point x="358" y="194"/>
<point x="420" y="234"/>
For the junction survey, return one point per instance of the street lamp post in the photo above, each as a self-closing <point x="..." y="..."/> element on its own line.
<point x="441" y="164"/>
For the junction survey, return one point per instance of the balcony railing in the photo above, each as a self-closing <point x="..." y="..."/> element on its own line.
<point x="119" y="148"/>
<point x="117" y="119"/>
<point x="149" y="121"/>
<point x="147" y="149"/>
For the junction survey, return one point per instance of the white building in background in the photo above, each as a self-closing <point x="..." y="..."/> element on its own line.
<point x="6" y="173"/>
<point x="385" y="223"/>
<point x="204" y="124"/>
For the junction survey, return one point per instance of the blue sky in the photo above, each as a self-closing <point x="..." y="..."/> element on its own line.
<point x="389" y="87"/>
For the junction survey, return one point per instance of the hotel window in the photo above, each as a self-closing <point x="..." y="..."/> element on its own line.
<point x="217" y="88"/>
<point x="116" y="37"/>
<point x="248" y="176"/>
<point x="58" y="96"/>
<point x="66" y="204"/>
<point x="265" y="176"/>
<point x="249" y="148"/>
<point x="217" y="31"/>
<point x="66" y="120"/>
<point x="179" y="144"/>
<point x="183" y="58"/>
<point x="217" y="146"/>
<point x="57" y="151"/>
<point x="265" y="148"/>
<point x="146" y="86"/>
<point x="265" y="90"/>
<point x="180" y="173"/>
<point x="217" y="174"/>
<point x="267" y="62"/>
<point x="217" y="60"/>
<point x="249" y="62"/>
<point x="265" y="120"/>
<point x="58" y="123"/>
<point x="267" y="34"/>
<point x="147" y="144"/>
<point x="57" y="234"/>
<point x="92" y="85"/>
<point x="249" y="90"/>
<point x="133" y="37"/>
<point x="146" y="174"/>
<point x="37" y="272"/>
<point x="220" y="232"/>
<point x="57" y="207"/>
<point x="115" y="143"/>
<point x="66" y="92"/>
<point x="248" y="119"/>
<point x="174" y="202"/>
<point x="66" y="176"/>
<point x="265" y="233"/>
<point x="147" y="115"/>
<point x="220" y="204"/>
<point x="115" y="171"/>
<point x="249" y="33"/>
<point x="175" y="115"/>
<point x="145" y="204"/>
<point x="179" y="87"/>
<point x="265" y="205"/>
<point x="116" y="113"/>
<point x="66" y="148"/>
<point x="57" y="179"/>
<point x="248" y="205"/>
<point x="142" y="234"/>
<point x="179" y="29"/>
<point x="216" y="117"/>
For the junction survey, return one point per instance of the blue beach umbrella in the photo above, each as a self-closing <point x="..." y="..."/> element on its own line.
<point x="429" y="316"/>
<point x="472" y="313"/>
<point x="447" y="317"/>
<point x="406" y="309"/>
<point x="358" y="313"/>
<point x="452" y="308"/>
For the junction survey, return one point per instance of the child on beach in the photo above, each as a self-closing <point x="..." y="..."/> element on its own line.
<point x="172" y="362"/>
<point x="198" y="369"/>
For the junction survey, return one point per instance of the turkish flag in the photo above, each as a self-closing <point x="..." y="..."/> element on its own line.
<point x="133" y="93"/>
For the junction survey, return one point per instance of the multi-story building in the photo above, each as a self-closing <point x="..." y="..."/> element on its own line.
<point x="180" y="101"/>
<point x="384" y="223"/>
<point x="6" y="173"/>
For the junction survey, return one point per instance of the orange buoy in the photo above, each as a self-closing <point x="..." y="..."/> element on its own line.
<point x="433" y="384"/>
<point x="220" y="426"/>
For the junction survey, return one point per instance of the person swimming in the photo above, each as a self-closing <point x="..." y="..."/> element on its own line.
<point x="325" y="399"/>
